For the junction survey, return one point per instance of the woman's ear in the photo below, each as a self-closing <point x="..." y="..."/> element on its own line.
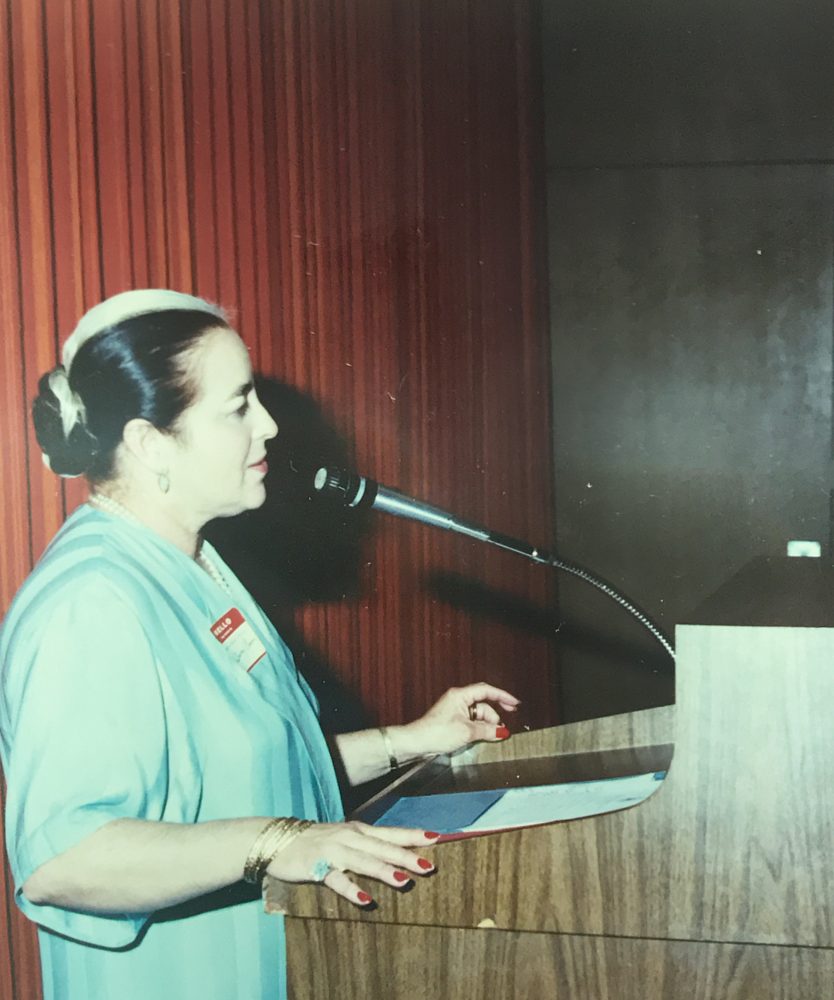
<point x="146" y="445"/>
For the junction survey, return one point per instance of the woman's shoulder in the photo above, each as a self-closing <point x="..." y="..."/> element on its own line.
<point x="89" y="550"/>
<point x="85" y="564"/>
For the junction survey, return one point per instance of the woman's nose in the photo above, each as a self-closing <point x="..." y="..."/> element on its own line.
<point x="267" y="427"/>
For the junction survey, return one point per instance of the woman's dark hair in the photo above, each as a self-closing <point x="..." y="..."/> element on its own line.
<point x="135" y="368"/>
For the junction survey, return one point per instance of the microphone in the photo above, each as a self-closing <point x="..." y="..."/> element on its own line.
<point x="357" y="491"/>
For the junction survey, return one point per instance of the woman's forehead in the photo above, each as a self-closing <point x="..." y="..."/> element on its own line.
<point x="220" y="363"/>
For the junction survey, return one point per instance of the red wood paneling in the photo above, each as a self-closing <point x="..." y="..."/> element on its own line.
<point x="357" y="181"/>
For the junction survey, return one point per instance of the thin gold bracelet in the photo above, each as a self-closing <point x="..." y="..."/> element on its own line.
<point x="393" y="763"/>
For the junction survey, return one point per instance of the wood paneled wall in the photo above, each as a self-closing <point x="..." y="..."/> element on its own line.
<point x="359" y="183"/>
<point x="691" y="174"/>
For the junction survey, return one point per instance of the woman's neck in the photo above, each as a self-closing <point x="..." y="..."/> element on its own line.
<point x="154" y="512"/>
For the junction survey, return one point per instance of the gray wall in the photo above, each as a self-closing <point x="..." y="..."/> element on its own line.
<point x="690" y="179"/>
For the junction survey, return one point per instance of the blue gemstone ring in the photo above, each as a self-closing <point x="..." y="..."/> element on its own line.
<point x="321" y="869"/>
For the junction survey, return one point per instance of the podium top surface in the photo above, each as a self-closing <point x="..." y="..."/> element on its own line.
<point x="776" y="592"/>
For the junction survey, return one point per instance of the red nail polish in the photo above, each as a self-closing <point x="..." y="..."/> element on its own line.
<point x="401" y="876"/>
<point x="502" y="733"/>
<point x="363" y="898"/>
<point x="431" y="835"/>
<point x="425" y="864"/>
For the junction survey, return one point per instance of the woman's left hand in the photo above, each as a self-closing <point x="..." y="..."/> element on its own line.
<point x="461" y="716"/>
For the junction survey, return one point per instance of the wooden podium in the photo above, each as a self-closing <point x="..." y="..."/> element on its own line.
<point x="720" y="886"/>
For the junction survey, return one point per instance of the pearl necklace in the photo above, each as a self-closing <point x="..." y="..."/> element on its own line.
<point x="111" y="506"/>
<point x="203" y="560"/>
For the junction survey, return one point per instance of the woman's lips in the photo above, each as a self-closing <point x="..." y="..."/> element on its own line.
<point x="261" y="466"/>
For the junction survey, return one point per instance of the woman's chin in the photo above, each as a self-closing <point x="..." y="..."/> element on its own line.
<point x="252" y="498"/>
<point x="255" y="497"/>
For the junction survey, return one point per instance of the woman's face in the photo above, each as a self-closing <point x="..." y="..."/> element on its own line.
<point x="217" y="458"/>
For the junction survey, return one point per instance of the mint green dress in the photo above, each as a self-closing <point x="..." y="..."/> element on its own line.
<point x="117" y="700"/>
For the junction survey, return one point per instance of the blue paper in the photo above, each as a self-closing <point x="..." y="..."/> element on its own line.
<point x="442" y="813"/>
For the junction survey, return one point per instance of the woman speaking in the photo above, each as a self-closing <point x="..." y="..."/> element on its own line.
<point x="161" y="752"/>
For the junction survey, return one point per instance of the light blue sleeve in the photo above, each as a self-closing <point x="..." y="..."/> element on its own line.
<point x="85" y="739"/>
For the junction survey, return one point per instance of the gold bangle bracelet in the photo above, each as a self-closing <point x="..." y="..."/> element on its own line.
<point x="274" y="837"/>
<point x="280" y="842"/>
<point x="252" y="859"/>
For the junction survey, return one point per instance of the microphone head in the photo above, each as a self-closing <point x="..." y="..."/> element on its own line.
<point x="351" y="489"/>
<point x="324" y="480"/>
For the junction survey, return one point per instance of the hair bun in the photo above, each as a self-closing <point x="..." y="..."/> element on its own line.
<point x="58" y="415"/>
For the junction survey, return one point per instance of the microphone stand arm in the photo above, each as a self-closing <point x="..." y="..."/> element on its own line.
<point x="392" y="502"/>
<point x="357" y="491"/>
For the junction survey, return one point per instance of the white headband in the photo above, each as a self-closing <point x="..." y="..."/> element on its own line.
<point x="126" y="305"/>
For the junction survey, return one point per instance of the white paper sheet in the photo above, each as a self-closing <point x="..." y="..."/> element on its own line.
<point x="548" y="803"/>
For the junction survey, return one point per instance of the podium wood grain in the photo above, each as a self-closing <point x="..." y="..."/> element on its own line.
<point x="361" y="961"/>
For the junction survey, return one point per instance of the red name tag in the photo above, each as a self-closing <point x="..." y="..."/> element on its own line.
<point x="225" y="626"/>
<point x="238" y="638"/>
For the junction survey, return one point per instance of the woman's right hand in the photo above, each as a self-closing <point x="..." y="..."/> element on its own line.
<point x="380" y="852"/>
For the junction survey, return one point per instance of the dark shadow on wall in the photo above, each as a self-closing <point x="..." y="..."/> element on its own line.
<point x="498" y="606"/>
<point x="297" y="548"/>
<point x="644" y="672"/>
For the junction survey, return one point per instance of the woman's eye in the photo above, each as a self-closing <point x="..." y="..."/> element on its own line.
<point x="243" y="409"/>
